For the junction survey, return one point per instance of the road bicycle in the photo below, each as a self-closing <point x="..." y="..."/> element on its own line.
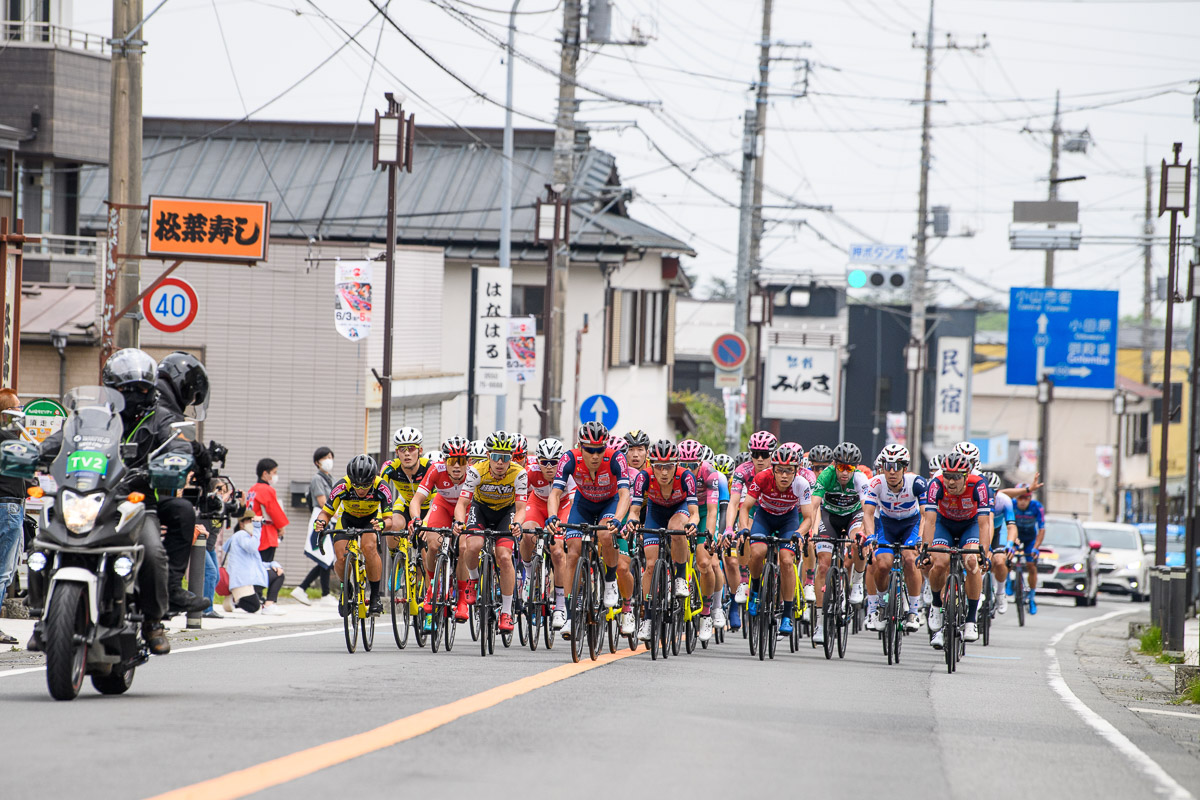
<point x="954" y="603"/>
<point x="444" y="596"/>
<point x="895" y="607"/>
<point x="488" y="603"/>
<point x="406" y="587"/>
<point x="1018" y="563"/>
<point x="583" y="606"/>
<point x="764" y="623"/>
<point x="537" y="595"/>
<point x="637" y="565"/>
<point x="353" y="604"/>
<point x="659" y="603"/>
<point x="835" y="611"/>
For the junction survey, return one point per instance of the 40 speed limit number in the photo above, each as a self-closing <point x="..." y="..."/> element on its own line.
<point x="172" y="305"/>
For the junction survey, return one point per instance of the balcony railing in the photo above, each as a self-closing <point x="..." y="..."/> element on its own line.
<point x="34" y="34"/>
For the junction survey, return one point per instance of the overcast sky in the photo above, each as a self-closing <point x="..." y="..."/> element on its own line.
<point x="853" y="143"/>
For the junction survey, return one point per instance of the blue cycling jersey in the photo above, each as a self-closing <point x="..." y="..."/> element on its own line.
<point x="1029" y="521"/>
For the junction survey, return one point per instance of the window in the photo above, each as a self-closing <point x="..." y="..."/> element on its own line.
<point x="653" y="318"/>
<point x="1176" y="403"/>
<point x="1137" y="436"/>
<point x="529" y="301"/>
<point x="627" y="331"/>
<point x="639" y="327"/>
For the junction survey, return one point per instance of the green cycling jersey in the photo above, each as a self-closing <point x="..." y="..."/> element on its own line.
<point x="839" y="499"/>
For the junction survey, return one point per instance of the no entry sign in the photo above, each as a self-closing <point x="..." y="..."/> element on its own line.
<point x="172" y="306"/>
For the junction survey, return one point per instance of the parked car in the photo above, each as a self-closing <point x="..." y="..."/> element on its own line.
<point x="1122" y="560"/>
<point x="1175" y="543"/>
<point x="1067" y="564"/>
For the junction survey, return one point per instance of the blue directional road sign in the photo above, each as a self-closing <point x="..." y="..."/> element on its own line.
<point x="600" y="408"/>
<point x="1069" y="335"/>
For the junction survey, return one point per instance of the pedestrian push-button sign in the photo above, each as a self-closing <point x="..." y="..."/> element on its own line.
<point x="172" y="305"/>
<point x="599" y="408"/>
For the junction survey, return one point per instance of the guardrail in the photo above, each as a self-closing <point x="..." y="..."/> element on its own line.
<point x="17" y="34"/>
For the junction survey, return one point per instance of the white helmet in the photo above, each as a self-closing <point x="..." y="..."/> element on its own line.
<point x="550" y="449"/>
<point x="894" y="454"/>
<point x="935" y="464"/>
<point x="969" y="450"/>
<point x="479" y="449"/>
<point x="434" y="456"/>
<point x="406" y="436"/>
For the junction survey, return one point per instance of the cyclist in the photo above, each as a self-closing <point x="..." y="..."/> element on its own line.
<point x="1030" y="520"/>
<point x="601" y="498"/>
<point x="785" y="498"/>
<point x="444" y="481"/>
<point x="761" y="444"/>
<point x="893" y="503"/>
<point x="670" y="501"/>
<point x="726" y="571"/>
<point x="820" y="457"/>
<point x="365" y="502"/>
<point x="404" y="473"/>
<point x="956" y="514"/>
<point x="840" y="488"/>
<point x="493" y="497"/>
<point x="698" y="458"/>
<point x="637" y="443"/>
<point x="539" y="475"/>
<point x="1002" y="514"/>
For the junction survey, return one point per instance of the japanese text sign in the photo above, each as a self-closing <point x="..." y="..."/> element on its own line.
<point x="522" y="349"/>
<point x="1069" y="335"/>
<point x="952" y="401"/>
<point x="802" y="383"/>
<point x="884" y="254"/>
<point x="352" y="299"/>
<point x="208" y="230"/>
<point x="493" y="303"/>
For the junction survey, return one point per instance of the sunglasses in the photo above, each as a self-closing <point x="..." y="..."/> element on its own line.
<point x="689" y="464"/>
<point x="548" y="462"/>
<point x="408" y="448"/>
<point x="363" y="488"/>
<point x="783" y="468"/>
<point x="893" y="467"/>
<point x="500" y="458"/>
<point x="844" y="467"/>
<point x="457" y="461"/>
<point x="760" y="453"/>
<point x="663" y="465"/>
<point x="594" y="450"/>
<point x="954" y="476"/>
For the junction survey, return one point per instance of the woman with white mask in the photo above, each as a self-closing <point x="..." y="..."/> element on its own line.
<point x="318" y="492"/>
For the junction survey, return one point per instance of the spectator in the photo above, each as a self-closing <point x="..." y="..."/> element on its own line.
<point x="263" y="502"/>
<point x="318" y="492"/>
<point x="212" y="569"/>
<point x="12" y="509"/>
<point x="248" y="573"/>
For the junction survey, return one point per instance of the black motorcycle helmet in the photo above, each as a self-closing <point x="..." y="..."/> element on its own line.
<point x="132" y="373"/>
<point x="188" y="381"/>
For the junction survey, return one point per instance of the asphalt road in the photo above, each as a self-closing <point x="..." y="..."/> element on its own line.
<point x="716" y="723"/>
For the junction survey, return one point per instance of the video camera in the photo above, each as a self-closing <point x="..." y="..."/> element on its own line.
<point x="215" y="496"/>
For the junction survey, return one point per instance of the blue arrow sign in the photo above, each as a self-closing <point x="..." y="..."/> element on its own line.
<point x="1069" y="335"/>
<point x="600" y="408"/>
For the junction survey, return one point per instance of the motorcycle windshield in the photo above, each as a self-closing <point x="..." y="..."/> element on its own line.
<point x="91" y="446"/>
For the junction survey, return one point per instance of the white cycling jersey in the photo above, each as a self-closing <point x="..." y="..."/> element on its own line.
<point x="903" y="504"/>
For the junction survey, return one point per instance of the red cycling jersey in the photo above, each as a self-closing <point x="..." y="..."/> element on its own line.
<point x="773" y="501"/>
<point x="964" y="507"/>
<point x="683" y="489"/>
<point x="603" y="485"/>
<point x="437" y="478"/>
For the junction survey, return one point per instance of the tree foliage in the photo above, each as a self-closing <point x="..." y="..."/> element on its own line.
<point x="710" y="419"/>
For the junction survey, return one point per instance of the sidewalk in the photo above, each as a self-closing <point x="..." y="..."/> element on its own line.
<point x="295" y="614"/>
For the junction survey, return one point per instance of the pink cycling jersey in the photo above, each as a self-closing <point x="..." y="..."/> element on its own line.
<point x="741" y="477"/>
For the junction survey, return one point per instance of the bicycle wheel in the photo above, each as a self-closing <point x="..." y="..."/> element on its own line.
<point x="473" y="614"/>
<point x="419" y="581"/>
<point x="844" y="621"/>
<point x="1019" y="595"/>
<point x="506" y="637"/>
<point x="655" y="610"/>
<point x="441" y="598"/>
<point x="812" y="623"/>
<point x="533" y="606"/>
<point x="577" y="608"/>
<point x="772" y="619"/>
<point x="829" y="613"/>
<point x="762" y="623"/>
<point x="984" y="614"/>
<point x="596" y="612"/>
<point x="950" y="626"/>
<point x="636" y="604"/>
<point x="483" y="603"/>
<point x="690" y="610"/>
<point x="348" y="604"/>
<point x="398" y="599"/>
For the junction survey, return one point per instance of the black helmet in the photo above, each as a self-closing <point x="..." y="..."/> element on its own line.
<point x="361" y="470"/>
<point x="820" y="454"/>
<point x="662" y="452"/>
<point x="132" y="372"/>
<point x="637" y="438"/>
<point x="740" y="458"/>
<point x="847" y="453"/>
<point x="189" y="382"/>
<point x="593" y="434"/>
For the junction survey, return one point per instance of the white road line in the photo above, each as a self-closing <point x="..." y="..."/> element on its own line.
<point x="1165" y="785"/>
<point x="1165" y="713"/>
<point x="253" y="640"/>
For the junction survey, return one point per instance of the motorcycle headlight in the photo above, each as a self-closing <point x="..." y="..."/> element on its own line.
<point x="123" y="566"/>
<point x="79" y="512"/>
<point x="37" y="561"/>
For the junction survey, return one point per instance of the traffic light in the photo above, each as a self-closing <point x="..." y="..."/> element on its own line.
<point x="890" y="278"/>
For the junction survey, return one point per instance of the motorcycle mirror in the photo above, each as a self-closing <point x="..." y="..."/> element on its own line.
<point x="15" y="413"/>
<point x="185" y="428"/>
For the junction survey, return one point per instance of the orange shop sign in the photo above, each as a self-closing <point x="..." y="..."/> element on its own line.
<point x="204" y="230"/>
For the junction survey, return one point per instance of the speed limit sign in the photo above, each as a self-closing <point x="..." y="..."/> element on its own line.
<point x="172" y="305"/>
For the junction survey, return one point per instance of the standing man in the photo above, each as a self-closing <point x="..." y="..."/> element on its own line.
<point x="12" y="509"/>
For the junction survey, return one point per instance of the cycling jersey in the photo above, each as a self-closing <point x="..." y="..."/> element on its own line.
<point x="604" y="485"/>
<point x="1002" y="513"/>
<point x="1029" y="521"/>
<point x="708" y="484"/>
<point x="901" y="504"/>
<point x="539" y="485"/>
<point x="495" y="493"/>
<point x="839" y="499"/>
<point x="378" y="501"/>
<point x="963" y="508"/>
<point x="683" y="489"/>
<point x="437" y="480"/>
<point x="406" y="487"/>
<point x="778" y="502"/>
<point x="741" y="477"/>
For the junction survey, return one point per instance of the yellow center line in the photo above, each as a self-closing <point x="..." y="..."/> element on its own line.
<point x="305" y="762"/>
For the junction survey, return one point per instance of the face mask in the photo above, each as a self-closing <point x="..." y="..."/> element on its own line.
<point x="274" y="479"/>
<point x="326" y="464"/>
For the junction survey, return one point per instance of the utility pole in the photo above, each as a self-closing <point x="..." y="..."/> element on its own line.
<point x="125" y="158"/>
<point x="1055" y="133"/>
<point x="1193" y="524"/>
<point x="561" y="184"/>
<point x="1147" y="280"/>
<point x="506" y="178"/>
<point x="754" y="248"/>
<point x="741" y="298"/>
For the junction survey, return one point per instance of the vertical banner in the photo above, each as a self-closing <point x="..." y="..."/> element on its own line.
<point x="522" y="350"/>
<point x="802" y="383"/>
<point x="1027" y="456"/>
<point x="897" y="430"/>
<point x="493" y="303"/>
<point x="9" y="299"/>
<point x="952" y="401"/>
<point x="352" y="299"/>
<point x="1104" y="460"/>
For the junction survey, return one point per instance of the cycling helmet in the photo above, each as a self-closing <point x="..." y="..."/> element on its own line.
<point x="520" y="446"/>
<point x="969" y="450"/>
<point x="617" y="443"/>
<point x="132" y="372"/>
<point x="478" y="449"/>
<point x="593" y="433"/>
<point x="740" y="458"/>
<point x="806" y="463"/>
<point x="723" y="463"/>
<point x="820" y="454"/>
<point x="956" y="462"/>
<point x="456" y="446"/>
<point x="661" y="451"/>
<point x="499" y="442"/>
<point x="405" y="437"/>
<point x="785" y="456"/>
<point x="878" y="466"/>
<point x="706" y="453"/>
<point x="548" y="449"/>
<point x="895" y="454"/>
<point x="361" y="470"/>
<point x="762" y="440"/>
<point x="847" y="453"/>
<point x="433" y="456"/>
<point x="935" y="464"/>
<point x="688" y="450"/>
<point x="188" y="380"/>
<point x="993" y="480"/>
<point x="637" y="438"/>
<point x="794" y="445"/>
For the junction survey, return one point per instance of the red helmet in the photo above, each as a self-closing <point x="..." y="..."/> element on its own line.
<point x="593" y="434"/>
<point x="661" y="451"/>
<point x="456" y="446"/>
<point x="956" y="462"/>
<point x="762" y="440"/>
<point x="786" y="456"/>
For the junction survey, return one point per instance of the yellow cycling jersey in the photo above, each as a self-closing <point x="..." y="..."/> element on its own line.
<point x="377" y="502"/>
<point x="496" y="493"/>
<point x="406" y="487"/>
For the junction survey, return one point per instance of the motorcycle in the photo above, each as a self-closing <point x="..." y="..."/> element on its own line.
<point x="84" y="561"/>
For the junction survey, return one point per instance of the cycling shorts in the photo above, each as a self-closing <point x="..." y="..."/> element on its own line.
<point x="780" y="526"/>
<point x="890" y="533"/>
<point x="956" y="534"/>
<point x="660" y="517"/>
<point x="441" y="513"/>
<point x="351" y="521"/>
<point x="836" y="526"/>
<point x="701" y="529"/>
<point x="587" y="512"/>
<point x="1027" y="545"/>
<point x="497" y="519"/>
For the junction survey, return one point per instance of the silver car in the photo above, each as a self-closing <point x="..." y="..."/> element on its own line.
<point x="1124" y="566"/>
